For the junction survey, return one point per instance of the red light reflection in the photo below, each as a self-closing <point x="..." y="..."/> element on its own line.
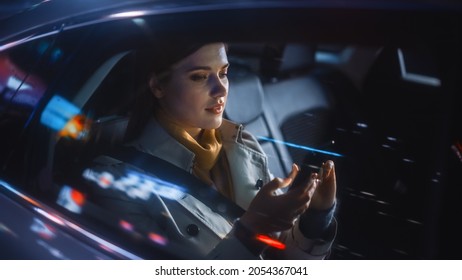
<point x="78" y="197"/>
<point x="157" y="238"/>
<point x="270" y="241"/>
<point x="126" y="225"/>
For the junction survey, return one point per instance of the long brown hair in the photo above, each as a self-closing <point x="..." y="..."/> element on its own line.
<point x="156" y="59"/>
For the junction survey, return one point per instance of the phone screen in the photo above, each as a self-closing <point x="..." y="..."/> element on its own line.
<point x="302" y="177"/>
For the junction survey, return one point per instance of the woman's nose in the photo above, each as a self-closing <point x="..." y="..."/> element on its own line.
<point x="219" y="87"/>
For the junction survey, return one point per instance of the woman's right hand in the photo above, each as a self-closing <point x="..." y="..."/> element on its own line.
<point x="270" y="211"/>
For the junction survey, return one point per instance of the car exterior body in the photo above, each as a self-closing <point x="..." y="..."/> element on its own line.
<point x="380" y="96"/>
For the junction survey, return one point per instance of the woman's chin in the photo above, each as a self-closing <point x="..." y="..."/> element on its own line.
<point x="216" y="123"/>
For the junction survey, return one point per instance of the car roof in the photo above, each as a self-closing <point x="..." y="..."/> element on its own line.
<point x="21" y="19"/>
<point x="10" y="8"/>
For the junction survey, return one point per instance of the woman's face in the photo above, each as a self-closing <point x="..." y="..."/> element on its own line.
<point x="196" y="93"/>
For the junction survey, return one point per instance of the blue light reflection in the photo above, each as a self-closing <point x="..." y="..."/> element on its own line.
<point x="58" y="112"/>
<point x="292" y="145"/>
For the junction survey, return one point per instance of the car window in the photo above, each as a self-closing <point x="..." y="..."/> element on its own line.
<point x="23" y="84"/>
<point x="87" y="114"/>
<point x="379" y="110"/>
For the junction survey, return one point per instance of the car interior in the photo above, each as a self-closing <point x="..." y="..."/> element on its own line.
<point x="284" y="94"/>
<point x="298" y="100"/>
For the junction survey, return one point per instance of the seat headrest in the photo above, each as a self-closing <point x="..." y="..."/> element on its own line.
<point x="245" y="99"/>
<point x="296" y="57"/>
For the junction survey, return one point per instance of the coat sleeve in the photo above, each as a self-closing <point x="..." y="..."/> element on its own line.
<point x="298" y="246"/>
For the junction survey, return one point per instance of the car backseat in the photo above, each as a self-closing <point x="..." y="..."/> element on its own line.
<point x="287" y="110"/>
<point x="247" y="105"/>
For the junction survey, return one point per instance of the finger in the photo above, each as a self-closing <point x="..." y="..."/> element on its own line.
<point x="307" y="198"/>
<point x="311" y="191"/>
<point x="301" y="198"/>
<point x="277" y="183"/>
<point x="293" y="173"/>
<point x="329" y="180"/>
<point x="327" y="170"/>
<point x="299" y="194"/>
<point x="274" y="184"/>
<point x="311" y="183"/>
<point x="311" y="188"/>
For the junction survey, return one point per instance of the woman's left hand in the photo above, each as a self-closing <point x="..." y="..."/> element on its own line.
<point x="272" y="210"/>
<point x="324" y="196"/>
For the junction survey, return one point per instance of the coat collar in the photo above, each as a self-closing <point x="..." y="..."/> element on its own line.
<point x="156" y="141"/>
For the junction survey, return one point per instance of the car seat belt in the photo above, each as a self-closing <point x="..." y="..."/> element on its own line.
<point x="166" y="171"/>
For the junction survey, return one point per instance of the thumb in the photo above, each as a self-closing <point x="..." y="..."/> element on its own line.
<point x="277" y="182"/>
<point x="328" y="171"/>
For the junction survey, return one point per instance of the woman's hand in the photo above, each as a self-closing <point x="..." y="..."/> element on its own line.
<point x="270" y="211"/>
<point x="325" y="194"/>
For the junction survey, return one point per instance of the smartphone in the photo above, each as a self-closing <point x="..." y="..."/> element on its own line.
<point x="304" y="175"/>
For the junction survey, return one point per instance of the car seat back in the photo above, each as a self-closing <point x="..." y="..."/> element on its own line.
<point x="245" y="105"/>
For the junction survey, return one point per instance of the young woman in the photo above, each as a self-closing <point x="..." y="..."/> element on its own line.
<point x="187" y="85"/>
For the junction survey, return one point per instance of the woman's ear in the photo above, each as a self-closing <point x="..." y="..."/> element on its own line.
<point x="154" y="86"/>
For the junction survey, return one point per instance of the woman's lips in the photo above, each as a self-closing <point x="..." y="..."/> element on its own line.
<point x="216" y="109"/>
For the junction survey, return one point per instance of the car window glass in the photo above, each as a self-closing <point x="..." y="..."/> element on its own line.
<point x="25" y="74"/>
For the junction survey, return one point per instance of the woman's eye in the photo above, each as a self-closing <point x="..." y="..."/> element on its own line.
<point x="223" y="74"/>
<point x="198" y="77"/>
